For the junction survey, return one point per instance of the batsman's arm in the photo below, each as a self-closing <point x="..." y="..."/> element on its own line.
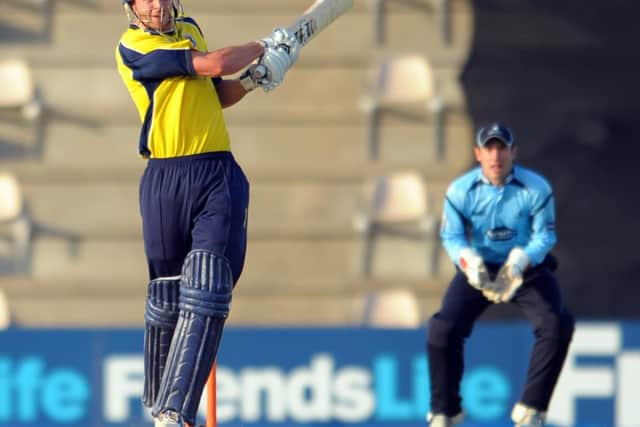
<point x="227" y="60"/>
<point x="230" y="92"/>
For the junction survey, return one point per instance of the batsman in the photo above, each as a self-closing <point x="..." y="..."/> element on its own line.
<point x="194" y="197"/>
<point x="498" y="228"/>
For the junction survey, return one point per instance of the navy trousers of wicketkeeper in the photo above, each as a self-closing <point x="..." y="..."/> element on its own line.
<point x="194" y="219"/>
<point x="540" y="300"/>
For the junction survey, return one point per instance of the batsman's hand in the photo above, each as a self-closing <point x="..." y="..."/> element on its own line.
<point x="284" y="39"/>
<point x="473" y="267"/>
<point x="253" y="76"/>
<point x="510" y="275"/>
<point x="277" y="63"/>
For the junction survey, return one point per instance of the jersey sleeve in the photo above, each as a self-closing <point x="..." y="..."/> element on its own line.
<point x="453" y="227"/>
<point x="543" y="226"/>
<point x="153" y="59"/>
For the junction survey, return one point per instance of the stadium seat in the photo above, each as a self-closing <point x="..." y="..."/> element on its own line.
<point x="443" y="10"/>
<point x="391" y="308"/>
<point x="397" y="204"/>
<point x="15" y="227"/>
<point x="401" y="81"/>
<point x="17" y="89"/>
<point x="20" y="108"/>
<point x="5" y="313"/>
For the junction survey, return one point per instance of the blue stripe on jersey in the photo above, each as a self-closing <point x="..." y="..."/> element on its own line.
<point x="158" y="64"/>
<point x="543" y="204"/>
<point x="516" y="181"/>
<point x="191" y="21"/>
<point x="143" y="145"/>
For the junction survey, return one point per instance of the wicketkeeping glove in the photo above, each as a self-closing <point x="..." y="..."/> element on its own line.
<point x="493" y="292"/>
<point x="473" y="267"/>
<point x="510" y="276"/>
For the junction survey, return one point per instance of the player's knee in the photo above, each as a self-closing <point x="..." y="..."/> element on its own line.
<point x="441" y="332"/>
<point x="567" y="326"/>
<point x="207" y="283"/>
<point x="162" y="302"/>
<point x="557" y="326"/>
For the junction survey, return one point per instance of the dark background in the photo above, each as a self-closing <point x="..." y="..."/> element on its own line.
<point x="563" y="75"/>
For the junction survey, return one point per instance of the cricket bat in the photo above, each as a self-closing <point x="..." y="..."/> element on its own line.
<point x="318" y="17"/>
<point x="315" y="19"/>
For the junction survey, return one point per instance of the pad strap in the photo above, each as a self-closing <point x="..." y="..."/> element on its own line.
<point x="206" y="285"/>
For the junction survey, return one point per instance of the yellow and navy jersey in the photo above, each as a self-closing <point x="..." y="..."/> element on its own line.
<point x="180" y="111"/>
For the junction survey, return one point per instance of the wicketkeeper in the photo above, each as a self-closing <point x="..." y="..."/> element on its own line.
<point x="498" y="228"/>
<point x="194" y="197"/>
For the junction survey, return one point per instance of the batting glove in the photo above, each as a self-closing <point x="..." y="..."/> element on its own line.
<point x="473" y="267"/>
<point x="277" y="62"/>
<point x="511" y="273"/>
<point x="252" y="77"/>
<point x="284" y="39"/>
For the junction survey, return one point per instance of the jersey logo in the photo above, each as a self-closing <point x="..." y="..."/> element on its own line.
<point x="501" y="234"/>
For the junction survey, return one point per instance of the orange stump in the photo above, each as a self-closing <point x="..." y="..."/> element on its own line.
<point x="211" y="398"/>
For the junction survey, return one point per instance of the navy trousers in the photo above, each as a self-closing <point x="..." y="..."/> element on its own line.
<point x="193" y="202"/>
<point x="539" y="299"/>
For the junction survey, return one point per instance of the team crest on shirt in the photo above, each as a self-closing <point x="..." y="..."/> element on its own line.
<point x="191" y="39"/>
<point x="501" y="234"/>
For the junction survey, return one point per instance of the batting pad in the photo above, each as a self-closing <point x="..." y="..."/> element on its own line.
<point x="205" y="297"/>
<point x="161" y="316"/>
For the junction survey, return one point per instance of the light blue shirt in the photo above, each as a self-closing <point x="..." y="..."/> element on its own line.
<point x="492" y="220"/>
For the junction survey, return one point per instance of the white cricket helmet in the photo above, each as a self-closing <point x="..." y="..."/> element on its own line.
<point x="165" y="19"/>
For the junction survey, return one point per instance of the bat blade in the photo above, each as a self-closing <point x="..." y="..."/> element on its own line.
<point x="318" y="17"/>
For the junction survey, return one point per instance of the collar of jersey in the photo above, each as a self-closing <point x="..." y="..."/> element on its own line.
<point x="152" y="32"/>
<point x="511" y="178"/>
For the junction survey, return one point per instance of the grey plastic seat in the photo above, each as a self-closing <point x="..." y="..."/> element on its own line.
<point x="397" y="204"/>
<point x="399" y="82"/>
<point x="15" y="226"/>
